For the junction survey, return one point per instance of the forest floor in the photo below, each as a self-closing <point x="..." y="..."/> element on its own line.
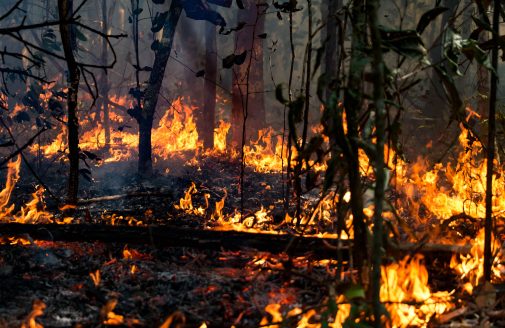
<point x="94" y="283"/>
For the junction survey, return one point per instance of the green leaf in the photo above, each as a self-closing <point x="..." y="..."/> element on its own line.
<point x="404" y="42"/>
<point x="482" y="24"/>
<point x="452" y="46"/>
<point x="471" y="50"/>
<point x="429" y="16"/>
<point x="354" y="291"/>
<point x="80" y="35"/>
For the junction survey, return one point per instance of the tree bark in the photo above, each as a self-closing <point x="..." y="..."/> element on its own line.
<point x="242" y="100"/>
<point x="380" y="173"/>
<point x="65" y="9"/>
<point x="209" y="106"/>
<point x="352" y="105"/>
<point x="105" y="78"/>
<point x="145" y="116"/>
<point x="491" y="133"/>
<point x="332" y="52"/>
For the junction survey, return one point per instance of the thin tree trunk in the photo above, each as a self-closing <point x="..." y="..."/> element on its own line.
<point x="209" y="106"/>
<point x="65" y="12"/>
<point x="251" y="78"/>
<point x="352" y="105"/>
<point x="332" y="52"/>
<point x="298" y="167"/>
<point x="380" y="174"/>
<point x="488" y="261"/>
<point x="146" y="115"/>
<point x="105" y="78"/>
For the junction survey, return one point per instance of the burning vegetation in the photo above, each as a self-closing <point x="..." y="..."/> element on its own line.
<point x="301" y="180"/>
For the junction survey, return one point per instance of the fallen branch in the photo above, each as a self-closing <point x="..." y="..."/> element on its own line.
<point x="170" y="236"/>
<point x="175" y="236"/>
<point x="430" y="248"/>
<point x="121" y="196"/>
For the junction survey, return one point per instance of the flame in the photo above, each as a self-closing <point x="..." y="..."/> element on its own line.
<point x="220" y="134"/>
<point x="470" y="266"/>
<point x="305" y="318"/>
<point x="404" y="291"/>
<point x="13" y="168"/>
<point x="95" y="277"/>
<point x="407" y="296"/>
<point x="453" y="189"/>
<point x="34" y="211"/>
<point x="107" y="312"/>
<point x="176" y="130"/>
<point x="38" y="308"/>
<point x="186" y="203"/>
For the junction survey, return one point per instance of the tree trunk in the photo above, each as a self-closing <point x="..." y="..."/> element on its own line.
<point x="435" y="94"/>
<point x="65" y="12"/>
<point x="249" y="100"/>
<point x="488" y="256"/>
<point x="145" y="116"/>
<point x="380" y="179"/>
<point x="352" y="104"/>
<point x="330" y="39"/>
<point x="105" y="78"/>
<point x="209" y="106"/>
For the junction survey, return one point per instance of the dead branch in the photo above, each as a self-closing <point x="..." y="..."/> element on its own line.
<point x="171" y="236"/>
<point x="121" y="196"/>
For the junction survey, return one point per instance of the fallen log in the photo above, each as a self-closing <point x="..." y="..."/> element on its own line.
<point x="171" y="236"/>
<point x="176" y="236"/>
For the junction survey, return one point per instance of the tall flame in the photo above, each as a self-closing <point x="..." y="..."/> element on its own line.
<point x="13" y="168"/>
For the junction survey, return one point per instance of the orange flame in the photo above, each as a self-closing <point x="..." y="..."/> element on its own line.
<point x="471" y="266"/>
<point x="38" y="309"/>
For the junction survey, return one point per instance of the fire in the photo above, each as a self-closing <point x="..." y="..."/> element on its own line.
<point x="176" y="130"/>
<point x="265" y="154"/>
<point x="186" y="203"/>
<point x="470" y="266"/>
<point x="306" y="319"/>
<point x="5" y="195"/>
<point x="404" y="291"/>
<point x="33" y="211"/>
<point x="407" y="296"/>
<point x="450" y="190"/>
<point x="220" y="134"/>
<point x="107" y="312"/>
<point x="38" y="309"/>
<point x="95" y="277"/>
